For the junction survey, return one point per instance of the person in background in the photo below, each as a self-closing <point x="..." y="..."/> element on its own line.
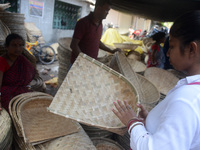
<point x="16" y="72"/>
<point x="173" y="124"/>
<point x="88" y="31"/>
<point x="156" y="55"/>
<point x="167" y="64"/>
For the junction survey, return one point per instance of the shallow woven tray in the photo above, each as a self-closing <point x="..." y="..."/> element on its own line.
<point x="38" y="124"/>
<point x="106" y="144"/>
<point x="178" y="74"/>
<point x="14" y="104"/>
<point x="88" y="92"/>
<point x="148" y="93"/>
<point x="162" y="79"/>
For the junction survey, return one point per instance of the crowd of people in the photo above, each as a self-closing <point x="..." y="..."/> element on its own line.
<point x="174" y="124"/>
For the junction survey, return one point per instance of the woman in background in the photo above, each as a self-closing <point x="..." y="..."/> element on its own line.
<point x="16" y="72"/>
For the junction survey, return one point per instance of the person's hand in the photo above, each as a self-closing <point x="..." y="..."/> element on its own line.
<point x="124" y="112"/>
<point x="143" y="112"/>
<point x="116" y="50"/>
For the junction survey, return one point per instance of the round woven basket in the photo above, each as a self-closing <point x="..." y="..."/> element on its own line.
<point x="148" y="93"/>
<point x="162" y="79"/>
<point x="15" y="22"/>
<point x="106" y="144"/>
<point x="134" y="55"/>
<point x="43" y="124"/>
<point x="6" y="130"/>
<point x="137" y="66"/>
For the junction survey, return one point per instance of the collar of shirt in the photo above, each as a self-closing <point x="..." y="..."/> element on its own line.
<point x="185" y="81"/>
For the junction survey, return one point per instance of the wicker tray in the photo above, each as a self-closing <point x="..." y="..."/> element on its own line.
<point x="162" y="79"/>
<point x="106" y="144"/>
<point x="38" y="124"/>
<point x="88" y="92"/>
<point x="148" y="93"/>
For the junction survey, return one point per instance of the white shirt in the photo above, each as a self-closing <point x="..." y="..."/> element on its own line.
<point x="174" y="124"/>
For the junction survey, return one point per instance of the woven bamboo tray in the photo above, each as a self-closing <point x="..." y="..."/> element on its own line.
<point x="106" y="144"/>
<point x="137" y="66"/>
<point x="162" y="79"/>
<point x="88" y="92"/>
<point x="6" y="134"/>
<point x="33" y="115"/>
<point x="148" y="93"/>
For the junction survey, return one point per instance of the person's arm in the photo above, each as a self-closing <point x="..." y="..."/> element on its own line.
<point x="107" y="49"/>
<point x="74" y="46"/>
<point x="1" y="78"/>
<point x="175" y="130"/>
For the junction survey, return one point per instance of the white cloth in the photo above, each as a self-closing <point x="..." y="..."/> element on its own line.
<point x="174" y="124"/>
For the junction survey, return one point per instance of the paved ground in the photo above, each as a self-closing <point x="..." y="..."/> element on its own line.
<point x="48" y="72"/>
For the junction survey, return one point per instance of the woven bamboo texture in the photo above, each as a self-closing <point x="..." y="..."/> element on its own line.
<point x="137" y="66"/>
<point x="162" y="79"/>
<point x="4" y="31"/>
<point x="6" y="134"/>
<point x="106" y="144"/>
<point x="15" y="22"/>
<point x="33" y="122"/>
<point x="134" y="55"/>
<point x="88" y="92"/>
<point x="64" y="55"/>
<point x="148" y="93"/>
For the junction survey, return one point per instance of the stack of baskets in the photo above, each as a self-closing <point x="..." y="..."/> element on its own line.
<point x="31" y="30"/>
<point x="64" y="54"/>
<point x="37" y="84"/>
<point x="6" y="133"/>
<point x="4" y="32"/>
<point x="28" y="111"/>
<point x="15" y="22"/>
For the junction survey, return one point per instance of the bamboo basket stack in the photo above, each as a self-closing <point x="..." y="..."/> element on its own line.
<point x="36" y="128"/>
<point x="6" y="133"/>
<point x="15" y="22"/>
<point x="64" y="54"/>
<point x="4" y="32"/>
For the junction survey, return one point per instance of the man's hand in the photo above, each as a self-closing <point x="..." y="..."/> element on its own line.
<point x="116" y="50"/>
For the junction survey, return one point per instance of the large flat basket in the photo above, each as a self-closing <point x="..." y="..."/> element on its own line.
<point x="88" y="92"/>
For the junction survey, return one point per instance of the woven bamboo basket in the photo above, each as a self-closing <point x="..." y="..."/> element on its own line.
<point x="106" y="144"/>
<point x="88" y="92"/>
<point x="14" y="104"/>
<point x="162" y="79"/>
<point x="137" y="66"/>
<point x="64" y="55"/>
<point x="134" y="55"/>
<point x="6" y="130"/>
<point x="148" y="93"/>
<point x="15" y="22"/>
<point x="33" y="115"/>
<point x="124" y="140"/>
